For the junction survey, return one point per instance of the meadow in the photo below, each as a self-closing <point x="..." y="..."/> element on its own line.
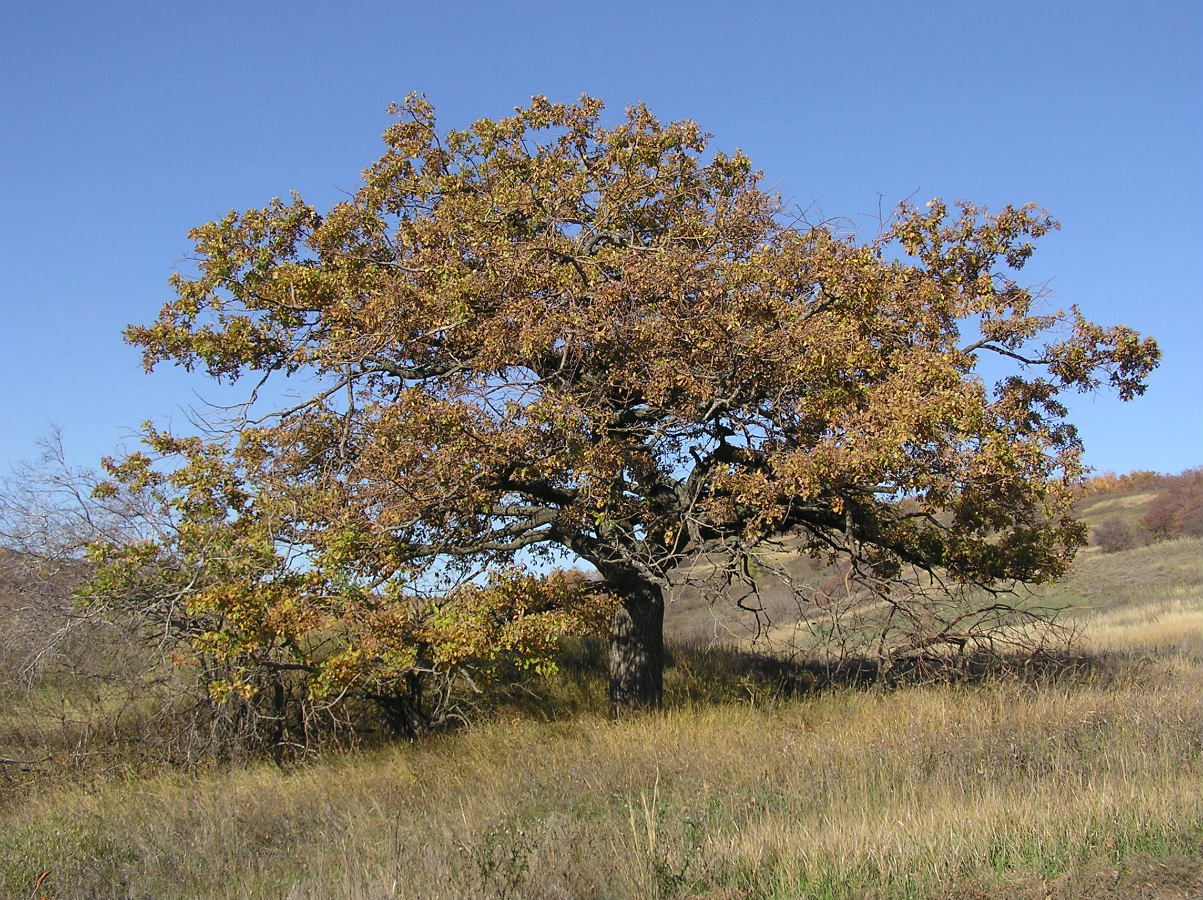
<point x="1079" y="777"/>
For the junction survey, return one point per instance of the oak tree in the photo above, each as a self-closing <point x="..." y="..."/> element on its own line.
<point x="546" y="337"/>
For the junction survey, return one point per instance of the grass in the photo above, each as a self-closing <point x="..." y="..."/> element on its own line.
<point x="1132" y="578"/>
<point x="1128" y="506"/>
<point x="915" y="792"/>
<point x="1080" y="781"/>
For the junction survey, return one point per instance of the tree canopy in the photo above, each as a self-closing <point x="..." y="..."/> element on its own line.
<point x="545" y="338"/>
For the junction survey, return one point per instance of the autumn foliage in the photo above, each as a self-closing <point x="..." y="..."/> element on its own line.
<point x="283" y="643"/>
<point x="546" y="339"/>
<point x="1176" y="510"/>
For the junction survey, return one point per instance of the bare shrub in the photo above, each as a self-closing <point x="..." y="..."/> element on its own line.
<point x="1114" y="535"/>
<point x="87" y="682"/>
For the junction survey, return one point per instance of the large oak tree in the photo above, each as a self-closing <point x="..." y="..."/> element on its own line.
<point x="547" y="334"/>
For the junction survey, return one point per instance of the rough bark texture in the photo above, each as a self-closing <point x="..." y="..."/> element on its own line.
<point x="637" y="651"/>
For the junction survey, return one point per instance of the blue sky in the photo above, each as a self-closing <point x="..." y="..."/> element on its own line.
<point x="126" y="124"/>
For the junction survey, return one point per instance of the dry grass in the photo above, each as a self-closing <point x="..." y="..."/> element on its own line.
<point x="1107" y="505"/>
<point x="913" y="792"/>
<point x="1134" y="577"/>
<point x="1084" y="783"/>
<point x="1171" y="621"/>
<point x="1129" y="507"/>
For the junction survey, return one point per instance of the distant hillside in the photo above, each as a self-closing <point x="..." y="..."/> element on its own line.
<point x="1141" y="508"/>
<point x="1127" y="505"/>
<point x="705" y="607"/>
<point x="26" y="579"/>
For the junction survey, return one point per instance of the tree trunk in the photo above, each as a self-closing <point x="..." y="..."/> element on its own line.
<point x="637" y="650"/>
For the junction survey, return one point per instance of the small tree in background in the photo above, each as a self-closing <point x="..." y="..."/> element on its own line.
<point x="545" y="338"/>
<point x="1178" y="511"/>
<point x="1114" y="535"/>
<point x="1160" y="520"/>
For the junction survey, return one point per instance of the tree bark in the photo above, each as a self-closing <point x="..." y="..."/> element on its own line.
<point x="637" y="650"/>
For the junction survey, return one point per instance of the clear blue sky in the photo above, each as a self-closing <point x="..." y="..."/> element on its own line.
<point x="126" y="124"/>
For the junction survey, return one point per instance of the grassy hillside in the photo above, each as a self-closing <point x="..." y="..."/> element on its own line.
<point x="1078" y="780"/>
<point x="693" y="615"/>
<point x="1127" y="505"/>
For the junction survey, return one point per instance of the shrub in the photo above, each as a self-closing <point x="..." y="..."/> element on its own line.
<point x="1178" y="512"/>
<point x="1114" y="535"/>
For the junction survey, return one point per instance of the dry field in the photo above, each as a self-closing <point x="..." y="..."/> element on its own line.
<point x="1081" y="781"/>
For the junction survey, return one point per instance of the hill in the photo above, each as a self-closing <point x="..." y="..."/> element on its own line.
<point x="706" y="608"/>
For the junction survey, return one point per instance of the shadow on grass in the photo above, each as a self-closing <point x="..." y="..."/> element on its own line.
<point x="708" y="674"/>
<point x="695" y="675"/>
